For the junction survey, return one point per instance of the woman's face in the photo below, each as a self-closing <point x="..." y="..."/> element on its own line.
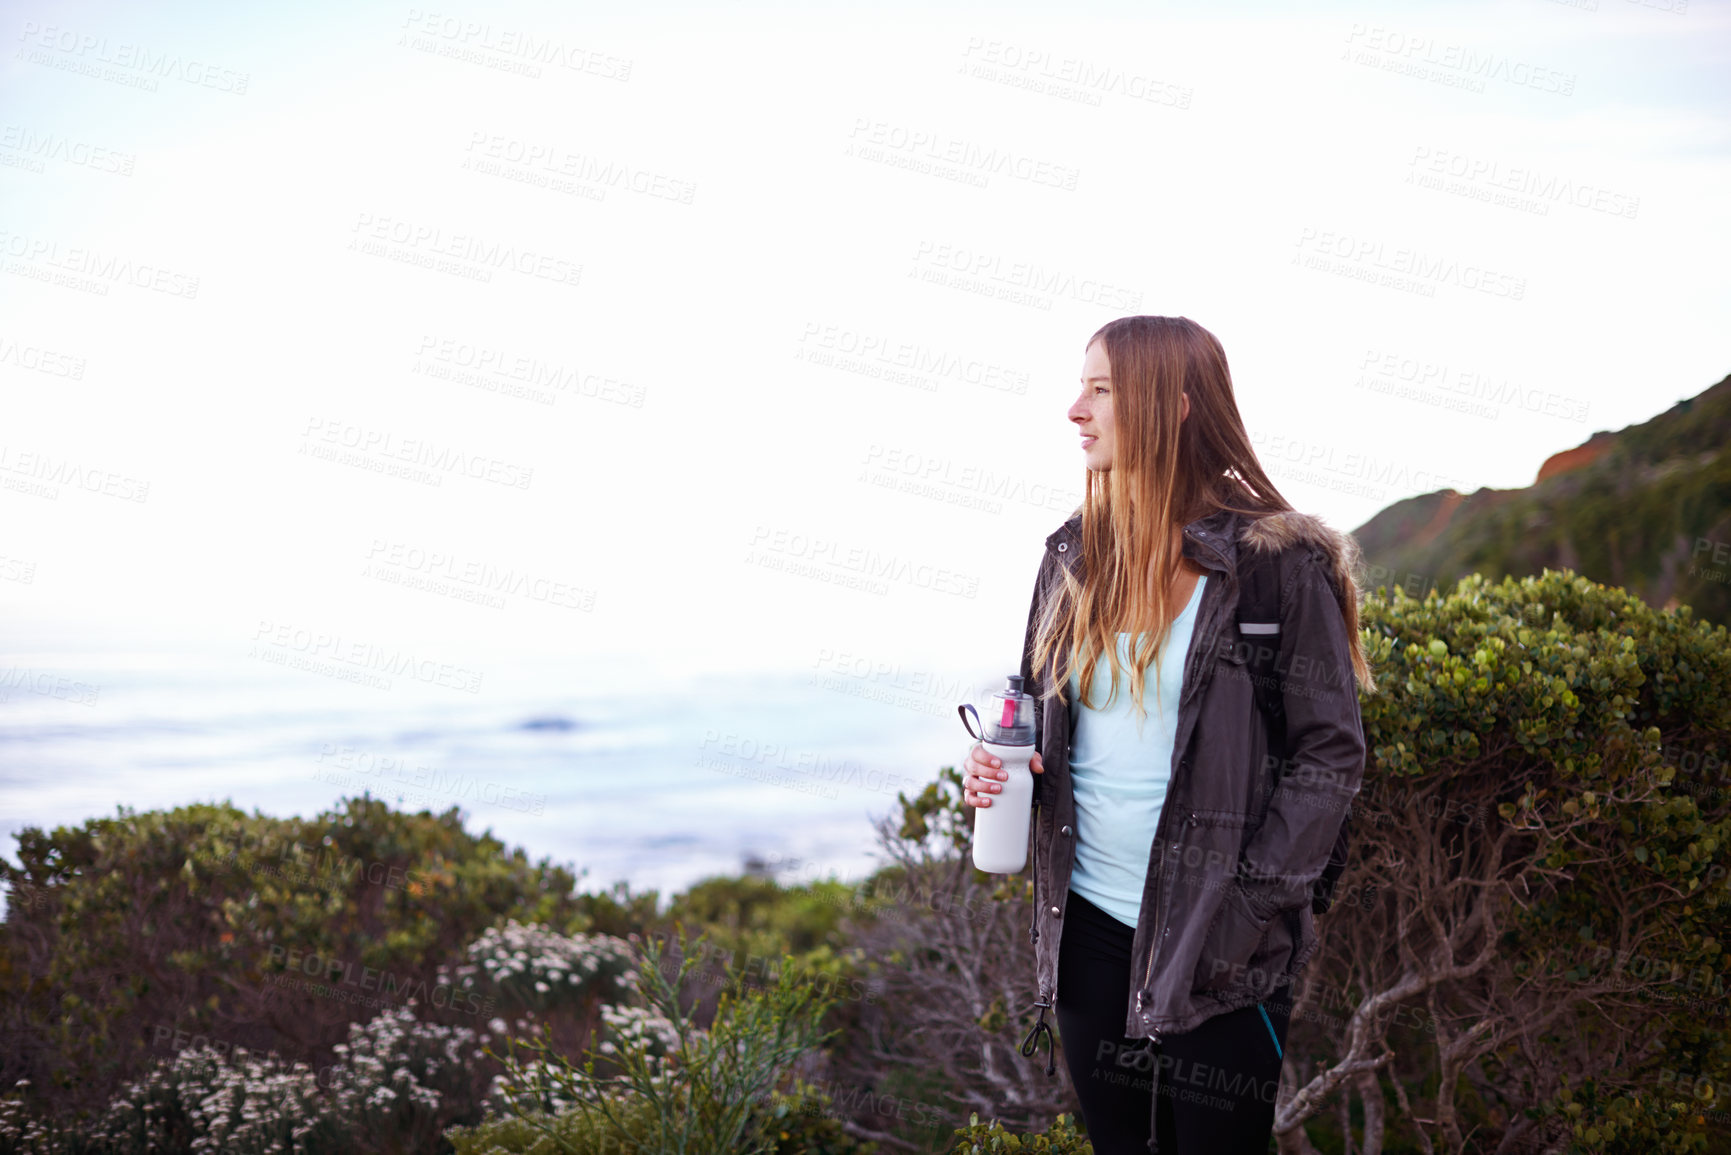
<point x="1092" y="411"/>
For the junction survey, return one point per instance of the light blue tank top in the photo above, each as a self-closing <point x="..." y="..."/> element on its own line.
<point x="1119" y="776"/>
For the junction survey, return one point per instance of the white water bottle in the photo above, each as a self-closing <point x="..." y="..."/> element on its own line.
<point x="1001" y="829"/>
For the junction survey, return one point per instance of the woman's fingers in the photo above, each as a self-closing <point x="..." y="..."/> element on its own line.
<point x="985" y="776"/>
<point x="979" y="790"/>
<point x="986" y="766"/>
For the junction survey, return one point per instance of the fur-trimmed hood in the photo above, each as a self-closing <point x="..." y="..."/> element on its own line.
<point x="1278" y="531"/>
<point x="1224" y="530"/>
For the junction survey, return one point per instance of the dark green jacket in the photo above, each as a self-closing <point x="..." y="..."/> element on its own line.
<point x="1226" y="917"/>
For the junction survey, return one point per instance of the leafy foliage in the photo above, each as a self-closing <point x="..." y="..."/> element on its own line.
<point x="1636" y="517"/>
<point x="798" y="1122"/>
<point x="1061" y="1138"/>
<point x="700" y="1085"/>
<point x="1550" y="880"/>
<point x="1535" y="960"/>
<point x="127" y="933"/>
<point x="398" y="1085"/>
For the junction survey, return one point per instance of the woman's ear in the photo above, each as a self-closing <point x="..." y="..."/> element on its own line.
<point x="1185" y="412"/>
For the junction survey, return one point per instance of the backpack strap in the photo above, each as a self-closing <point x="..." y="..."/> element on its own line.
<point x="1259" y="628"/>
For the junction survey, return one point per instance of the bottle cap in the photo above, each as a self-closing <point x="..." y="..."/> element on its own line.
<point x="1012" y="716"/>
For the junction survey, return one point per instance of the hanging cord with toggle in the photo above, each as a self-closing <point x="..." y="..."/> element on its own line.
<point x="1031" y="1044"/>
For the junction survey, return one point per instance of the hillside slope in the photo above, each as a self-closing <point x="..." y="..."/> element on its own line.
<point x="1647" y="508"/>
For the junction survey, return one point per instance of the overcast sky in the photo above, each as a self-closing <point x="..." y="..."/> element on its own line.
<point x="645" y="329"/>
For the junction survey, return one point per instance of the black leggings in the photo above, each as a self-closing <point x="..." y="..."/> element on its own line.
<point x="1217" y="1082"/>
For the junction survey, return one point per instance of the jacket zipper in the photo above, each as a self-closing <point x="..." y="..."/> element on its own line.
<point x="1159" y="900"/>
<point x="1160" y="871"/>
<point x="1045" y="802"/>
<point x="1034" y="924"/>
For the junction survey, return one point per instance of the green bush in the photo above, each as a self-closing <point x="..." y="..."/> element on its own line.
<point x="126" y="930"/>
<point x="1650" y="515"/>
<point x="1540" y="879"/>
<point x="804" y="1122"/>
<point x="398" y="1085"/>
<point x="615" y="911"/>
<point x="801" y="1122"/>
<point x="704" y="1086"/>
<point x="1061" y="1138"/>
<point x="751" y="915"/>
<point x="570" y="1133"/>
<point x="537" y="970"/>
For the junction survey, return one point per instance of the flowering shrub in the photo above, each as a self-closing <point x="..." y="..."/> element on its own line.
<point x="569" y="1133"/>
<point x="206" y="900"/>
<point x="398" y="1085"/>
<point x="203" y="1101"/>
<point x="702" y="1087"/>
<point x="538" y="969"/>
<point x="200" y="1101"/>
<point x="401" y="1082"/>
<point x="638" y="1027"/>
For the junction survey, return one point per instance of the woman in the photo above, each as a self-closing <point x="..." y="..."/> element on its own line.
<point x="1174" y="859"/>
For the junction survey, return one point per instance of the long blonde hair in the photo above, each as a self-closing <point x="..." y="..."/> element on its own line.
<point x="1166" y="472"/>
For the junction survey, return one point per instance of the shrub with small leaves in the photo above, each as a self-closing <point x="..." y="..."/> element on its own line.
<point x="398" y="1085"/>
<point x="704" y="1085"/>
<point x="1061" y="1138"/>
<point x="801" y="1121"/>
<point x="205" y="1101"/>
<point x="402" y="1082"/>
<point x="537" y="969"/>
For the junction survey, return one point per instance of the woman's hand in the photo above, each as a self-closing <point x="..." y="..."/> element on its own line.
<point x="983" y="775"/>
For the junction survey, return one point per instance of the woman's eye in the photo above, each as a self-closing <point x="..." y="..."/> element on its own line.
<point x="1099" y="389"/>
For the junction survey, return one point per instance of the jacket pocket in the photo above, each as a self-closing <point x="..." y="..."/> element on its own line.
<point x="1234" y="942"/>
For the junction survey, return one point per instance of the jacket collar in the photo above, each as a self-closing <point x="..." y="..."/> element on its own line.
<point x="1213" y="542"/>
<point x="1210" y="542"/>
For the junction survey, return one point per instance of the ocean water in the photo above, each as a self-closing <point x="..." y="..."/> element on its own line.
<point x="620" y="774"/>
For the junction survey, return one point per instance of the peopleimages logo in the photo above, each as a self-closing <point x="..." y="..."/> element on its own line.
<point x="1534" y="189"/>
<point x="386" y="445"/>
<point x="87" y="51"/>
<point x="469" y="253"/>
<point x="36" y="147"/>
<point x="285" y="640"/>
<point x="77" y="261"/>
<point x="1068" y="76"/>
<point x="823" y="557"/>
<point x="1457" y="65"/>
<point x="55" y="472"/>
<point x="1370" y="257"/>
<point x="334" y="973"/>
<point x="934" y="256"/>
<point x="873" y="139"/>
<point x="478" y="41"/>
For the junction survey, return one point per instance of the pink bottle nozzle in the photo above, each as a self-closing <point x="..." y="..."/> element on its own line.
<point x="1013" y="723"/>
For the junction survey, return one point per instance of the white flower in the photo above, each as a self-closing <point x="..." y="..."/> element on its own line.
<point x="543" y="958"/>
